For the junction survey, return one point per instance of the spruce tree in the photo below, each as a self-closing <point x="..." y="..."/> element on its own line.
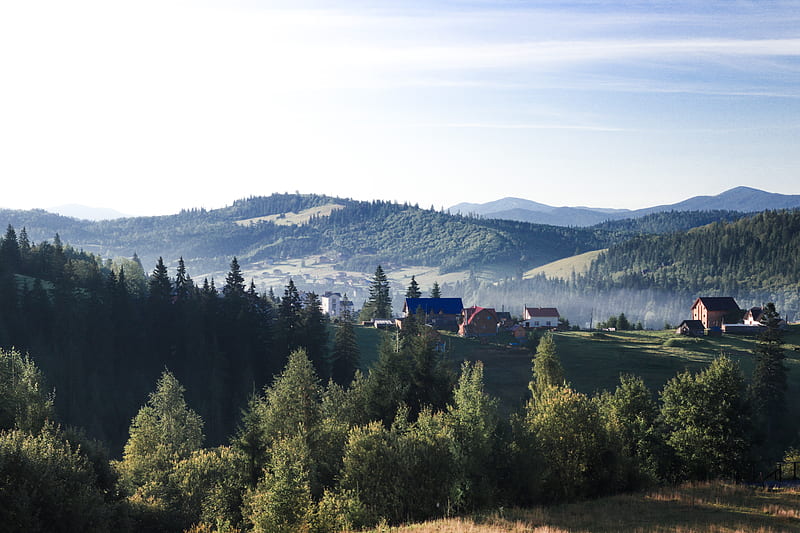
<point x="769" y="383"/>
<point x="379" y="303"/>
<point x="183" y="283"/>
<point x="289" y="318"/>
<point x="160" y="284"/>
<point x="314" y="327"/>
<point x="436" y="292"/>
<point x="345" y="359"/>
<point x="413" y="289"/>
<point x="234" y="281"/>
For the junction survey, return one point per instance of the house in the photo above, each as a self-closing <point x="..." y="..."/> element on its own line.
<point x="441" y="313"/>
<point x="331" y="304"/>
<point x="540" y="317"/>
<point x="691" y="328"/>
<point x="715" y="311"/>
<point x="478" y="322"/>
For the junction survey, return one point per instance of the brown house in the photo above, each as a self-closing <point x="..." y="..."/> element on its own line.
<point x="478" y="322"/>
<point x="713" y="312"/>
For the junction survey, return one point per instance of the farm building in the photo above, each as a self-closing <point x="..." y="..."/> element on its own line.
<point x="715" y="311"/>
<point x="691" y="328"/>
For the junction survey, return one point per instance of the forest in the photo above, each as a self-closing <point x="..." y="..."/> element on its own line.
<point x="654" y="278"/>
<point x="151" y="402"/>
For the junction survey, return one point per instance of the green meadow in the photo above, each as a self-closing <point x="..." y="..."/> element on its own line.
<point x="593" y="361"/>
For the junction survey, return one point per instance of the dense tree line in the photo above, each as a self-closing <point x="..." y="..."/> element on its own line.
<point x="104" y="330"/>
<point x="407" y="441"/>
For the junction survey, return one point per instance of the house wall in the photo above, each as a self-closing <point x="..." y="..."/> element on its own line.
<point x="542" y="322"/>
<point x="483" y="324"/>
<point x="331" y="305"/>
<point x="710" y="319"/>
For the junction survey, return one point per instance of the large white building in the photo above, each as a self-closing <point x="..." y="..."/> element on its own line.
<point x="332" y="304"/>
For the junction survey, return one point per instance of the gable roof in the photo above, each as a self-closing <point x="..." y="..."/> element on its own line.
<point x="541" y="311"/>
<point x="717" y="303"/>
<point x="446" y="306"/>
<point x="692" y="324"/>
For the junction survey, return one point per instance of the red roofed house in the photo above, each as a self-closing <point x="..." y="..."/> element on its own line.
<point x="540" y="317"/>
<point x="712" y="312"/>
<point x="478" y="322"/>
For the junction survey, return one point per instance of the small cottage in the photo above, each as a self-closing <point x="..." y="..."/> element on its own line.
<point x="691" y="328"/>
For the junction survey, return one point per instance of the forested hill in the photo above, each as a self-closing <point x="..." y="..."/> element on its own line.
<point x="356" y="235"/>
<point x="757" y="254"/>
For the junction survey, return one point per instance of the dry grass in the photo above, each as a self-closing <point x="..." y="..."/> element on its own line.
<point x="692" y="508"/>
<point x="563" y="268"/>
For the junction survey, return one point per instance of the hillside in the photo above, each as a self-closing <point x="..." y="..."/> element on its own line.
<point x="565" y="268"/>
<point x="754" y="254"/>
<point x="352" y="235"/>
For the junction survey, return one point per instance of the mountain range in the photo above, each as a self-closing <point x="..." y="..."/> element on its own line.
<point x="742" y="199"/>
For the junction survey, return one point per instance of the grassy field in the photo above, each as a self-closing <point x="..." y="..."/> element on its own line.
<point x="707" y="507"/>
<point x="594" y="361"/>
<point x="563" y="268"/>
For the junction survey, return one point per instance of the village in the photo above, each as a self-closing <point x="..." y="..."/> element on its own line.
<point x="710" y="316"/>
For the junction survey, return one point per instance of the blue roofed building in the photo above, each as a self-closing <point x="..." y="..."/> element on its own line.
<point x="441" y="313"/>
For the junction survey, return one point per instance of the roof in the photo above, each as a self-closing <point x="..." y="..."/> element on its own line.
<point x="717" y="303"/>
<point x="474" y="311"/>
<point x="542" y="311"/>
<point x="692" y="324"/>
<point x="446" y="306"/>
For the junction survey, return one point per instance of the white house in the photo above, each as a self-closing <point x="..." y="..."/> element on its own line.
<point x="540" y="317"/>
<point x="331" y="304"/>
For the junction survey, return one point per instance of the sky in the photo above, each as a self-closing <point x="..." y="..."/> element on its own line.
<point x="150" y="107"/>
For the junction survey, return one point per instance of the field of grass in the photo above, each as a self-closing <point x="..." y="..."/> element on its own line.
<point x="563" y="268"/>
<point x="708" y="507"/>
<point x="594" y="361"/>
<point x="293" y="219"/>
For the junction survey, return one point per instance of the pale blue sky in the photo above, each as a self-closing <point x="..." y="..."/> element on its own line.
<point x="153" y="106"/>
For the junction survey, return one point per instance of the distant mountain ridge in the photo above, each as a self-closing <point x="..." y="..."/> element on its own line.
<point x="742" y="199"/>
<point x="84" y="212"/>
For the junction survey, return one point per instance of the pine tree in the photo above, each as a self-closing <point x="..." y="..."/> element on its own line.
<point x="379" y="303"/>
<point x="413" y="289"/>
<point x="183" y="283"/>
<point x="314" y="326"/>
<point x="436" y="292"/>
<point x="345" y="359"/>
<point x="160" y="284"/>
<point x="769" y="383"/>
<point x="234" y="281"/>
<point x="289" y="317"/>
